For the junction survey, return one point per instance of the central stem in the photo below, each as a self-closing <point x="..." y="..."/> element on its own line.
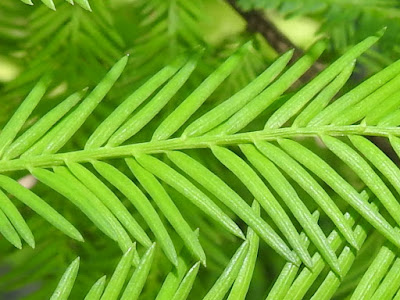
<point x="50" y="160"/>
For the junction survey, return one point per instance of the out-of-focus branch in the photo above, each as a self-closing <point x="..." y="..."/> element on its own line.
<point x="257" y="22"/>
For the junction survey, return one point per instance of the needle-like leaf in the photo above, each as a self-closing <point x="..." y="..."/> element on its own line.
<point x="66" y="282"/>
<point x="186" y="188"/>
<point x="15" y="124"/>
<point x="323" y="98"/>
<point x="231" y="199"/>
<point x="282" y="186"/>
<point x="183" y="112"/>
<point x="42" y="126"/>
<point x="289" y="272"/>
<point x="119" y="115"/>
<point x="118" y="279"/>
<point x="186" y="285"/>
<point x="338" y="184"/>
<point x="104" y="194"/>
<point x="40" y="207"/>
<point x="263" y="195"/>
<point x="147" y="113"/>
<point x="366" y="173"/>
<point x="230" y="106"/>
<point x="97" y="289"/>
<point x="168" y="208"/>
<point x="60" y="134"/>
<point x="310" y="185"/>
<point x="242" y="282"/>
<point x="290" y="108"/>
<point x="224" y="282"/>
<point x="252" y="109"/>
<point x="13" y="215"/>
<point x="138" y="279"/>
<point x="141" y="203"/>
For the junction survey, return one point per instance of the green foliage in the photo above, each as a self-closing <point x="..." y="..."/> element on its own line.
<point x="50" y="3"/>
<point x="198" y="174"/>
<point x="345" y="23"/>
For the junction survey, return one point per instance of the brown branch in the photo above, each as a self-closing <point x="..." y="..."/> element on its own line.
<point x="257" y="22"/>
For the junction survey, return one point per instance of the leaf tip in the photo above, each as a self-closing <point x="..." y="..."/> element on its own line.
<point x="79" y="238"/>
<point x="381" y="32"/>
<point x="31" y="243"/>
<point x="76" y="261"/>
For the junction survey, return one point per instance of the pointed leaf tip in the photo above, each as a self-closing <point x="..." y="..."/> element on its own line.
<point x="66" y="282"/>
<point x="381" y="32"/>
<point x="84" y="4"/>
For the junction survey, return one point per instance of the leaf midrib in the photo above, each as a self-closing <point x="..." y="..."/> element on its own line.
<point x="151" y="147"/>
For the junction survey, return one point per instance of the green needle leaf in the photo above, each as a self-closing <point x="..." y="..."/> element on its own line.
<point x="168" y="208"/>
<point x="366" y="173"/>
<point x="49" y="4"/>
<point x="118" y="279"/>
<point x="267" y="200"/>
<point x="138" y="279"/>
<point x="289" y="271"/>
<point x="231" y="199"/>
<point x="42" y="126"/>
<point x="355" y="95"/>
<point x="340" y="186"/>
<point x="192" y="103"/>
<point x="242" y="282"/>
<point x="252" y="109"/>
<point x="280" y="184"/>
<point x="67" y="185"/>
<point x="111" y="201"/>
<point x="395" y="142"/>
<point x="60" y="134"/>
<point x="97" y="289"/>
<point x="310" y="185"/>
<point x="8" y="231"/>
<point x="383" y="163"/>
<point x="346" y="258"/>
<point x="323" y="98"/>
<point x="230" y="106"/>
<point x="225" y="281"/>
<point x="390" y="284"/>
<point x="141" y="203"/>
<point x="66" y="283"/>
<point x="12" y="214"/>
<point x="291" y="107"/>
<point x="367" y="105"/>
<point x="39" y="206"/>
<point x="175" y="276"/>
<point x="22" y="114"/>
<point x="187" y="283"/>
<point x="375" y="273"/>
<point x="123" y="111"/>
<point x="84" y="3"/>
<point x="384" y="113"/>
<point x="191" y="192"/>
<point x="147" y="113"/>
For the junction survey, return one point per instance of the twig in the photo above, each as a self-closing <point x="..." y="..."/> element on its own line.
<point x="257" y="22"/>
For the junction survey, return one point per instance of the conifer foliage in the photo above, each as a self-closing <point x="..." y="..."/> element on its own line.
<point x="195" y="182"/>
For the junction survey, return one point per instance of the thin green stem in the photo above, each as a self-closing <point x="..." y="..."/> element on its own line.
<point x="50" y="160"/>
